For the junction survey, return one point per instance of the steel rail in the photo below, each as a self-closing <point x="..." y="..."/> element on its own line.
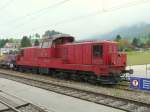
<point x="98" y="98"/>
<point x="9" y="106"/>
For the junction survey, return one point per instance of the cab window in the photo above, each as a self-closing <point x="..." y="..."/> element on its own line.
<point x="45" y="44"/>
<point x="97" y="50"/>
<point x="110" y="49"/>
<point x="22" y="52"/>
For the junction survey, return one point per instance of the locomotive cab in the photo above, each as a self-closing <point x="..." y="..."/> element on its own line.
<point x="53" y="41"/>
<point x="48" y="47"/>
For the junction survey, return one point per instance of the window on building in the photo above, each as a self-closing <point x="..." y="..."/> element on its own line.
<point x="97" y="50"/>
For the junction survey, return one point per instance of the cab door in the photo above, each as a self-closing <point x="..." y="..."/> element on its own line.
<point x="97" y="54"/>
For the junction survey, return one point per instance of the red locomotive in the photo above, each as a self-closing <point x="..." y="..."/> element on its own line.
<point x="97" y="61"/>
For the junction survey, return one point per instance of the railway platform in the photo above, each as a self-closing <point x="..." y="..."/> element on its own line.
<point x="11" y="103"/>
<point x="50" y="101"/>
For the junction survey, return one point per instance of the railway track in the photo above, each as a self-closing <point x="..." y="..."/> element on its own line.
<point x="123" y="86"/>
<point x="99" y="98"/>
<point x="10" y="107"/>
<point x="11" y="103"/>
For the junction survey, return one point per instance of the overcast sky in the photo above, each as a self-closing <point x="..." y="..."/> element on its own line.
<point x="79" y="18"/>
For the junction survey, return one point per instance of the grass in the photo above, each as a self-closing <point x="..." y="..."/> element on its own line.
<point x="138" y="58"/>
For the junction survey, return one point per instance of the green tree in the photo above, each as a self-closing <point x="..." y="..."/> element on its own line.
<point x="124" y="45"/>
<point x="3" y="42"/>
<point x="37" y="35"/>
<point x="50" y="33"/>
<point x="11" y="40"/>
<point x="142" y="45"/>
<point x="149" y="36"/>
<point x="36" y="42"/>
<point x="148" y="43"/>
<point x="136" y="42"/>
<point x="25" y="42"/>
<point x="118" y="38"/>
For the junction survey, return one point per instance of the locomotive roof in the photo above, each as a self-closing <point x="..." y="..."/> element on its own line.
<point x="91" y="42"/>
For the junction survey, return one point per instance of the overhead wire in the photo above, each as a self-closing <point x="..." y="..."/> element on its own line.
<point x="5" y="5"/>
<point x="96" y="12"/>
<point x="127" y="5"/>
<point x="38" y="12"/>
<point x="104" y="10"/>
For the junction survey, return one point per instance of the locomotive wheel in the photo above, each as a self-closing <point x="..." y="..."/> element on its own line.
<point x="61" y="75"/>
<point x="35" y="71"/>
<point x="20" y="69"/>
<point x="92" y="79"/>
<point x="53" y="73"/>
<point x="66" y="75"/>
<point x="74" y="77"/>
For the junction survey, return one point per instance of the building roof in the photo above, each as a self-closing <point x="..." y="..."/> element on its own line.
<point x="10" y="45"/>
